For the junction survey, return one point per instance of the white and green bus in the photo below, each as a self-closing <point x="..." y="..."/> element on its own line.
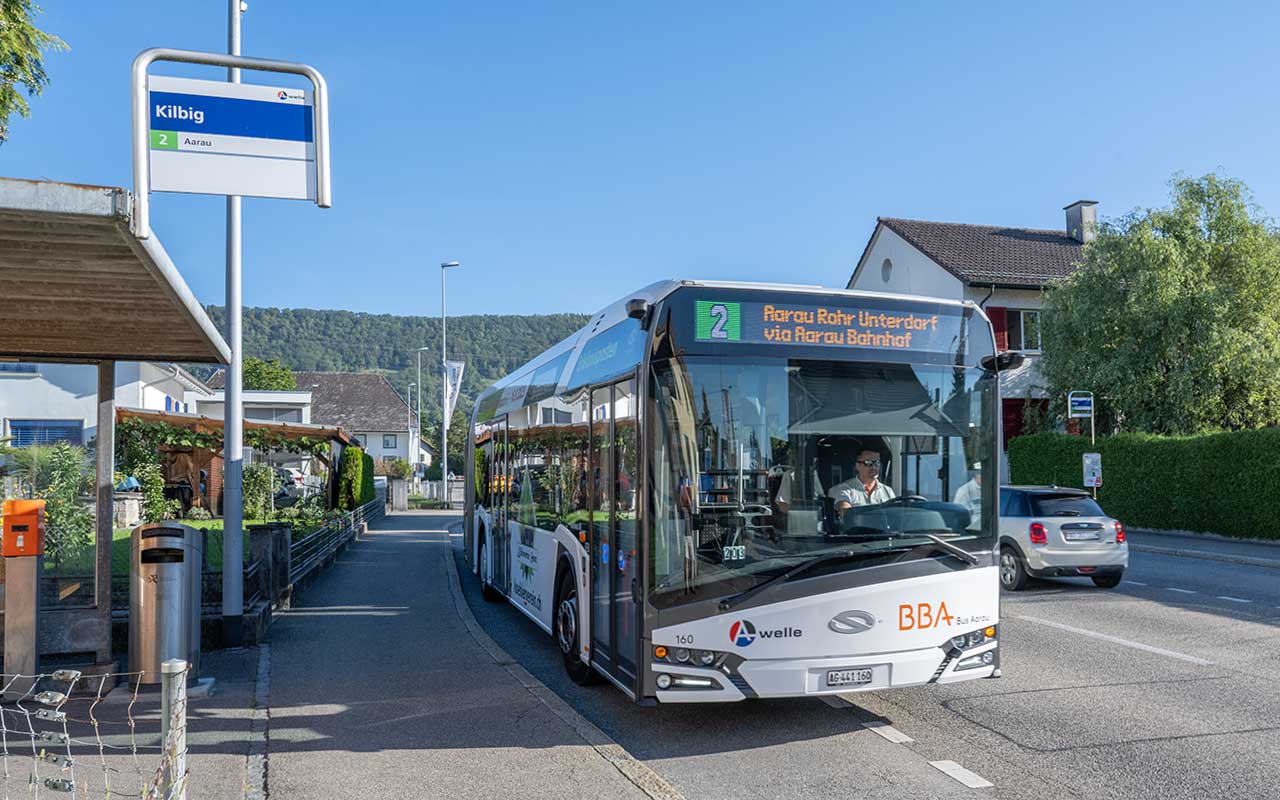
<point x="721" y="491"/>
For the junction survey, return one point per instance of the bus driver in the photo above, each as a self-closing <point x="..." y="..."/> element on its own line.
<point x="865" y="489"/>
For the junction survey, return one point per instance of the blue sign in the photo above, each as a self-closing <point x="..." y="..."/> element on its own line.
<point x="231" y="116"/>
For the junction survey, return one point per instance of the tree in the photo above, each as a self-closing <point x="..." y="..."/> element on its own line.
<point x="1172" y="320"/>
<point x="273" y="375"/>
<point x="22" y="48"/>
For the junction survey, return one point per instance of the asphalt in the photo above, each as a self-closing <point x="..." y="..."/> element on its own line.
<point x="378" y="688"/>
<point x="1164" y="687"/>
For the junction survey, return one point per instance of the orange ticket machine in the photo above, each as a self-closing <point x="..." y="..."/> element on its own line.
<point x="22" y="546"/>
<point x="23" y="528"/>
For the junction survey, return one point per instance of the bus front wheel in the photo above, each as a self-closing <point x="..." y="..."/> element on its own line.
<point x="486" y="588"/>
<point x="568" y="635"/>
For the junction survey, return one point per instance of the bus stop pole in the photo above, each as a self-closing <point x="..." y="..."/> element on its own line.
<point x="233" y="414"/>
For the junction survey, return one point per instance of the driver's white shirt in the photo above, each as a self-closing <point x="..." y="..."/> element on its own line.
<point x="855" y="493"/>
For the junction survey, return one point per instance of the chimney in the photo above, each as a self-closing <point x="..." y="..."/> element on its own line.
<point x="1082" y="220"/>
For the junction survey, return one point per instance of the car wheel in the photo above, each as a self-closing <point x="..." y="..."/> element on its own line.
<point x="568" y="637"/>
<point x="486" y="574"/>
<point x="1013" y="574"/>
<point x="1108" y="581"/>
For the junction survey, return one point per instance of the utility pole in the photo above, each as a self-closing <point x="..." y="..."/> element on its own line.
<point x="233" y="426"/>
<point x="444" y="390"/>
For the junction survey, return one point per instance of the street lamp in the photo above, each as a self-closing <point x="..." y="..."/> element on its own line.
<point x="444" y="390"/>
<point x="420" y="386"/>
<point x="409" y="410"/>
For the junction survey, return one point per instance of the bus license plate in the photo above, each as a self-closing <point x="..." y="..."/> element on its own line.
<point x="848" y="677"/>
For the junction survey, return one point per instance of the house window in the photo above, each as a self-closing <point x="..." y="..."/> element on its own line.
<point x="886" y="270"/>
<point x="1024" y="329"/>
<point x="26" y="432"/>
<point x="15" y="366"/>
<point x="389" y="441"/>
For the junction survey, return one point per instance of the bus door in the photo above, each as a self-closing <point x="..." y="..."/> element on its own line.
<point x="501" y="476"/>
<point x="614" y="530"/>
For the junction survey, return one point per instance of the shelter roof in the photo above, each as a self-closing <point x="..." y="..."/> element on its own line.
<point x="79" y="285"/>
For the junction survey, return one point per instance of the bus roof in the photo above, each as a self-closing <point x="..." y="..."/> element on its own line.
<point x="616" y="311"/>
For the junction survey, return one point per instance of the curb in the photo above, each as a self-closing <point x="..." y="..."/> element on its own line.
<point x="641" y="776"/>
<point x="1207" y="555"/>
<point x="255" y="761"/>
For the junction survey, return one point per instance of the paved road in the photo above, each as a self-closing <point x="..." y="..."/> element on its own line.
<point x="1164" y="687"/>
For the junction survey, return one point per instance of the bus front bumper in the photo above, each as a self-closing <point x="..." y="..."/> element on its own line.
<point x="761" y="678"/>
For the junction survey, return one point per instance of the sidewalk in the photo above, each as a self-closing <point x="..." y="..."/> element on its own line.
<point x="1208" y="546"/>
<point x="381" y="685"/>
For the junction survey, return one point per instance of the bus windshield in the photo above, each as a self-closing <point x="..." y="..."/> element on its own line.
<point x="763" y="463"/>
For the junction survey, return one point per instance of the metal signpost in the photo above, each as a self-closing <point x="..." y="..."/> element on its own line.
<point x="210" y="137"/>
<point x="1080" y="406"/>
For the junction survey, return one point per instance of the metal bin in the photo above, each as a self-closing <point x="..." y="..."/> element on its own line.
<point x="165" y="568"/>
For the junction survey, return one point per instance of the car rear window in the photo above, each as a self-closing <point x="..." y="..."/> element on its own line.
<point x="1071" y="505"/>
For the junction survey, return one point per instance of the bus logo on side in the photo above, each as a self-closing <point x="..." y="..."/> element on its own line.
<point x="742" y="633"/>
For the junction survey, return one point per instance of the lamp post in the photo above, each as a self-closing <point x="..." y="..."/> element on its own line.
<point x="444" y="390"/>
<point x="409" y="411"/>
<point x="420" y="386"/>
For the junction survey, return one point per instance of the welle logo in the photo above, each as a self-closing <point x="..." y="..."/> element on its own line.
<point x="743" y="633"/>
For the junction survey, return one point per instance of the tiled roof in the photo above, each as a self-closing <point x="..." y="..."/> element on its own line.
<point x="360" y="402"/>
<point x="990" y="253"/>
<point x="218" y="380"/>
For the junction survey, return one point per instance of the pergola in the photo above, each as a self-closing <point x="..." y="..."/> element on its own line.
<point x="81" y="288"/>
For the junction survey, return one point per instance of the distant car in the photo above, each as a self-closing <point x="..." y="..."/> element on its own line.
<point x="1048" y="531"/>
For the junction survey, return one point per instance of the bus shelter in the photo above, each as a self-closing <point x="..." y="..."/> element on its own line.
<point x="80" y="288"/>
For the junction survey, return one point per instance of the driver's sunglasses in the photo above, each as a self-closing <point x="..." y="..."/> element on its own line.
<point x="868" y="463"/>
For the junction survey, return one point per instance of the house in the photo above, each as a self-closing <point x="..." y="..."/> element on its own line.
<point x="367" y="406"/>
<point x="1004" y="270"/>
<point x="46" y="403"/>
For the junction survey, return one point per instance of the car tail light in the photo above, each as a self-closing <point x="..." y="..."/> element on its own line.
<point x="1119" y="532"/>
<point x="1039" y="533"/>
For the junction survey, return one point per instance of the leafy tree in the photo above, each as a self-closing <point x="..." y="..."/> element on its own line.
<point x="22" y="49"/>
<point x="154" y="506"/>
<point x="258" y="488"/>
<point x="31" y="467"/>
<point x="1172" y="321"/>
<point x="68" y="521"/>
<point x="273" y="375"/>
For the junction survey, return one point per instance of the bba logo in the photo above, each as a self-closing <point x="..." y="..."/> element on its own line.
<point x="743" y="633"/>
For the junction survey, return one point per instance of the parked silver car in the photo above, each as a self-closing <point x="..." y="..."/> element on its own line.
<point x="1048" y="531"/>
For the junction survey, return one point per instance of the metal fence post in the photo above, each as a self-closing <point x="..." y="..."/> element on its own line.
<point x="173" y="714"/>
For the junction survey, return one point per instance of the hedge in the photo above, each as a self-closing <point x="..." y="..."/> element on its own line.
<point x="367" y="492"/>
<point x="350" y="478"/>
<point x="1227" y="483"/>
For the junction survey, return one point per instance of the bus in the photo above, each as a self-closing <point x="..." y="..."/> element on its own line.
<point x="721" y="491"/>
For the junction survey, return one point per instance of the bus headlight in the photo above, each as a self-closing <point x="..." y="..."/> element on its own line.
<point x="682" y="655"/>
<point x="706" y="658"/>
<point x="973" y="662"/>
<point x="663" y="681"/>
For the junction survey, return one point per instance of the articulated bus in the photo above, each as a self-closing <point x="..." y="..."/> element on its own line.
<point x="723" y="491"/>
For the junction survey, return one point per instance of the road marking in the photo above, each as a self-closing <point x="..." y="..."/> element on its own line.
<point x="1230" y="599"/>
<point x="887" y="731"/>
<point x="1181" y="591"/>
<point x="455" y="536"/>
<point x="1117" y="640"/>
<point x="971" y="779"/>
<point x="1137" y="583"/>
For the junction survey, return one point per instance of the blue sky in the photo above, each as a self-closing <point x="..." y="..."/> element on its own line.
<point x="569" y="152"/>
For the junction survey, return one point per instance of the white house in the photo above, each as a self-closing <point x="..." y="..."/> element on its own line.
<point x="367" y="407"/>
<point x="1004" y="270"/>
<point x="47" y="403"/>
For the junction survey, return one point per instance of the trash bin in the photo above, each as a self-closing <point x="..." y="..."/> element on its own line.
<point x="164" y="597"/>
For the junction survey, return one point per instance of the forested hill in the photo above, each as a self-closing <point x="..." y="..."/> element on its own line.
<point x="345" y="341"/>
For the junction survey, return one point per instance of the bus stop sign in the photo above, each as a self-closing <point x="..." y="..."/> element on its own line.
<point x="1080" y="405"/>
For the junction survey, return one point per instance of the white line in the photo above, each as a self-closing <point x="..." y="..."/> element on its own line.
<point x="455" y="536"/>
<point x="1181" y="591"/>
<point x="1233" y="599"/>
<point x="971" y="779"/>
<point x="887" y="731"/>
<point x="1137" y="583"/>
<point x="1117" y="640"/>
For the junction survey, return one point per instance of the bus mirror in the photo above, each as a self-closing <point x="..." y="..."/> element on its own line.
<point x="638" y="308"/>
<point x="1002" y="361"/>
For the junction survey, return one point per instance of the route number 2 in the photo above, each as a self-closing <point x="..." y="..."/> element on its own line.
<point x="722" y="318"/>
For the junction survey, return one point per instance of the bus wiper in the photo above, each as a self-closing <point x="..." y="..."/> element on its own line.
<point x="958" y="552"/>
<point x="741" y="597"/>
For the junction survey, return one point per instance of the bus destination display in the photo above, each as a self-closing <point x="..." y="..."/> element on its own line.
<point x="832" y="326"/>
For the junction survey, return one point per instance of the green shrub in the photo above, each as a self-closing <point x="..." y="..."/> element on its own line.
<point x="399" y="468"/>
<point x="367" y="491"/>
<point x="154" y="506"/>
<point x="351" y="478"/>
<point x="1227" y="483"/>
<point x="198" y="512"/>
<point x="68" y="522"/>
<point x="259" y="484"/>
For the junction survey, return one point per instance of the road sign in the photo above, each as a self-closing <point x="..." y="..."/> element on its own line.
<point x="1092" y="470"/>
<point x="211" y="137"/>
<point x="1080" y="405"/>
